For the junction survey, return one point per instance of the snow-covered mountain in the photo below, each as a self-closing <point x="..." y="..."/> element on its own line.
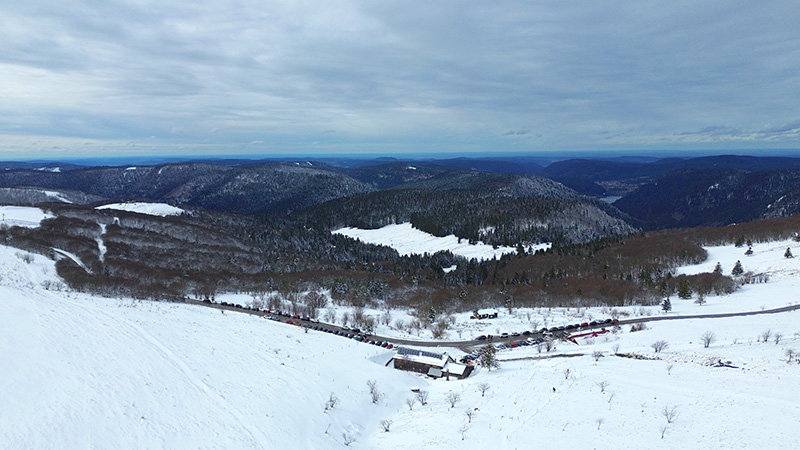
<point x="80" y="371"/>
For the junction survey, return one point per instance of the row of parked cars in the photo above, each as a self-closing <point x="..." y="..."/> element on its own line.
<point x="356" y="335"/>
<point x="349" y="333"/>
<point x="478" y="352"/>
<point x="545" y="331"/>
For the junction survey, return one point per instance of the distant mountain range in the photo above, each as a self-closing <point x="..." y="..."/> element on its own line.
<point x="655" y="193"/>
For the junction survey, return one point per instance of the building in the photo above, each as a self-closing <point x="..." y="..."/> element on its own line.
<point x="431" y="364"/>
<point x="484" y="314"/>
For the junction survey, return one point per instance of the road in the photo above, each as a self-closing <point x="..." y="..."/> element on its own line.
<point x="467" y="344"/>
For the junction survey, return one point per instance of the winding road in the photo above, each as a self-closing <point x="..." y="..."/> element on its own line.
<point x="467" y="344"/>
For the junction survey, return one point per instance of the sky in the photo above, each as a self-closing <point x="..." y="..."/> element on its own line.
<point x="146" y="77"/>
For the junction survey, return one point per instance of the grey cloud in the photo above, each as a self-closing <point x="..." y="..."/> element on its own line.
<point x="791" y="127"/>
<point x="394" y="74"/>
<point x="516" y="132"/>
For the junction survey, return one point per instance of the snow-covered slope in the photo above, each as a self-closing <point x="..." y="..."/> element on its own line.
<point x="22" y="216"/>
<point x="153" y="209"/>
<point x="87" y="372"/>
<point x="408" y="240"/>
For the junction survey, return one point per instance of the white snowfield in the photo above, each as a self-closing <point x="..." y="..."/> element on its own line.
<point x="85" y="372"/>
<point x="153" y="209"/>
<point x="22" y="216"/>
<point x="408" y="240"/>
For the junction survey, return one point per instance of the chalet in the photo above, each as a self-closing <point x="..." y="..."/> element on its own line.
<point x="484" y="314"/>
<point x="432" y="364"/>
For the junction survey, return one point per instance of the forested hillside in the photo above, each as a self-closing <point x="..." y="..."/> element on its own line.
<point x="273" y="188"/>
<point x="696" y="197"/>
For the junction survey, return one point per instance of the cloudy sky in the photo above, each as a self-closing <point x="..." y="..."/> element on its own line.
<point x="219" y="77"/>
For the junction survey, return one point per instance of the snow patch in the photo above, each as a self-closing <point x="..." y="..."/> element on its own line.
<point x="22" y="216"/>
<point x="153" y="209"/>
<point x="56" y="195"/>
<point x="408" y="240"/>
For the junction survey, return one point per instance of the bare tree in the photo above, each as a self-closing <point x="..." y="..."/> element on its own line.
<point x="599" y="421"/>
<point x="597" y="354"/>
<point x="374" y="393"/>
<point x="615" y="348"/>
<point x="348" y="439"/>
<point x="659" y="345"/>
<point x="602" y="385"/>
<point x="483" y="387"/>
<point x="422" y="396"/>
<point x="410" y="402"/>
<point x="766" y="335"/>
<point x="708" y="338"/>
<point x="567" y="372"/>
<point x="332" y="401"/>
<point x="669" y="368"/>
<point x="463" y="430"/>
<point x="386" y="424"/>
<point x="470" y="413"/>
<point x="670" y="413"/>
<point x="663" y="430"/>
<point x="453" y="398"/>
<point x="789" y="355"/>
<point x="777" y="337"/>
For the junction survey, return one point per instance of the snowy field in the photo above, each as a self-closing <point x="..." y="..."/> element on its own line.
<point x="408" y="240"/>
<point x="22" y="216"/>
<point x="153" y="209"/>
<point x="88" y="372"/>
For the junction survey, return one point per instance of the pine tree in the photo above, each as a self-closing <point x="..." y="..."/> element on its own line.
<point x="667" y="305"/>
<point x="788" y="253"/>
<point x="718" y="269"/>
<point x="432" y="314"/>
<point x="737" y="269"/>
<point x="489" y="357"/>
<point x="685" y="290"/>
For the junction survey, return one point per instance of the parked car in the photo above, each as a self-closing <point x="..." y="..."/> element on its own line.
<point x="481" y="338"/>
